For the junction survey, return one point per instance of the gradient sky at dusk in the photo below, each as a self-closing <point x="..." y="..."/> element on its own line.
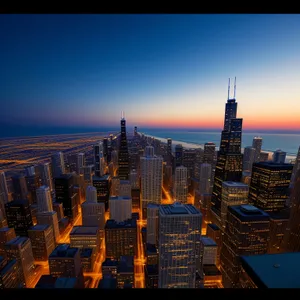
<point x="162" y="70"/>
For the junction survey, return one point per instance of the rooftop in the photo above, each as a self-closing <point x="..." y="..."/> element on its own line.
<point x="84" y="230"/>
<point x="86" y="252"/>
<point x="272" y="165"/>
<point x="6" y="229"/>
<point x="248" y="213"/>
<point x="63" y="282"/>
<point x="273" y="270"/>
<point x="102" y="178"/>
<point x="280" y="215"/>
<point x="130" y="223"/>
<point x="6" y="265"/>
<point x="108" y="283"/>
<point x="178" y="209"/>
<point x="211" y="270"/>
<point x="153" y="205"/>
<point x="110" y="262"/>
<point x="40" y="227"/>
<point x="207" y="241"/>
<point x="46" y="282"/>
<point x="234" y="184"/>
<point x="63" y="250"/>
<point x="18" y="203"/>
<point x="114" y="198"/>
<point x="151" y="248"/>
<point x="19" y="240"/>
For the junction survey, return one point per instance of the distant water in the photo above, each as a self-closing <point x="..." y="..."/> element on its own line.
<point x="288" y="142"/>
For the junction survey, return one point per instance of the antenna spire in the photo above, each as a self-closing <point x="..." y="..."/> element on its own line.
<point x="122" y="114"/>
<point x="234" y="87"/>
<point x="228" y="87"/>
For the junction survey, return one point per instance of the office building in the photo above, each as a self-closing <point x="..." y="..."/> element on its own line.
<point x="115" y="186"/>
<point x="151" y="179"/>
<point x="269" y="188"/>
<point x="44" y="199"/>
<point x="270" y="271"/>
<point x="257" y="144"/>
<point x="76" y="162"/>
<point x="296" y="167"/>
<point x="179" y="245"/>
<point x="178" y="155"/>
<point x="134" y="179"/>
<point x="120" y="208"/>
<point x="58" y="164"/>
<point x="93" y="214"/>
<point x="181" y="184"/>
<point x="233" y="193"/>
<point x="120" y="238"/>
<point x="125" y="188"/>
<point x="33" y="181"/>
<point x="20" y="249"/>
<point x="3" y="187"/>
<point x="58" y="208"/>
<point x="151" y="276"/>
<point x="248" y="158"/>
<point x="20" y="190"/>
<point x="18" y="216"/>
<point x="87" y="174"/>
<point x="65" y="261"/>
<point x="109" y="268"/>
<point x="215" y="233"/>
<point x="264" y="156"/>
<point x="205" y="178"/>
<point x="91" y="194"/>
<point x="99" y="161"/>
<point x="103" y="187"/>
<point x="10" y="274"/>
<point x="152" y="223"/>
<point x="123" y="157"/>
<point x="49" y="218"/>
<point x="229" y="159"/>
<point x="279" y="156"/>
<point x="292" y="237"/>
<point x="246" y="233"/>
<point x="125" y="272"/>
<point x="209" y="154"/>
<point x="208" y="252"/>
<point x="45" y="174"/>
<point x="6" y="234"/>
<point x="136" y="198"/>
<point x="64" y="189"/>
<point x="42" y="241"/>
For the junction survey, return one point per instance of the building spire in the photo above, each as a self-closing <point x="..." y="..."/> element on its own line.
<point x="234" y="87"/>
<point x="228" y="87"/>
<point x="122" y="115"/>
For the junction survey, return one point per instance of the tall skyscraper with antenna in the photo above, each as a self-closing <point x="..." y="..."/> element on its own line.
<point x="230" y="159"/>
<point x="123" y="157"/>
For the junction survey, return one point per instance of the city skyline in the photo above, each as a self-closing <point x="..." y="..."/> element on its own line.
<point x="162" y="70"/>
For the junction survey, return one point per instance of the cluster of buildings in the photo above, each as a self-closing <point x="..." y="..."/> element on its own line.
<point x="147" y="214"/>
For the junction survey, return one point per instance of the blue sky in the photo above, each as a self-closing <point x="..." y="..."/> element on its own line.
<point x="162" y="70"/>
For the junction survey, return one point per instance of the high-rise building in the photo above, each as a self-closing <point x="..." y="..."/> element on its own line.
<point x="215" y="233"/>
<point x="20" y="249"/>
<point x="87" y="174"/>
<point x="103" y="187"/>
<point x="42" y="241"/>
<point x="233" y="193"/>
<point x="256" y="144"/>
<point x="123" y="157"/>
<point x="169" y="158"/>
<point x="135" y="132"/>
<point x="91" y="194"/>
<point x="49" y="218"/>
<point x="125" y="188"/>
<point x="64" y="189"/>
<point x="136" y="198"/>
<point x="76" y="162"/>
<point x="58" y="164"/>
<point x="269" y="188"/>
<point x="93" y="213"/>
<point x="114" y="160"/>
<point x="205" y="178"/>
<point x="120" y="238"/>
<point x="248" y="158"/>
<point x="264" y="156"/>
<point x="134" y="179"/>
<point x="20" y="190"/>
<point x="292" y="237"/>
<point x="296" y="167"/>
<point x="45" y="173"/>
<point x="33" y="181"/>
<point x="10" y="274"/>
<point x="6" y="234"/>
<point x="18" y="216"/>
<point x="181" y="184"/>
<point x="279" y="156"/>
<point x="105" y="149"/>
<point x="178" y="155"/>
<point x="65" y="261"/>
<point x="246" y="233"/>
<point x="208" y="251"/>
<point x="151" y="179"/>
<point x="152" y="223"/>
<point x="3" y="187"/>
<point x="58" y="208"/>
<point x="179" y="245"/>
<point x="115" y="186"/>
<point x="99" y="161"/>
<point x="209" y="152"/>
<point x="120" y="208"/>
<point x="229" y="161"/>
<point x="44" y="200"/>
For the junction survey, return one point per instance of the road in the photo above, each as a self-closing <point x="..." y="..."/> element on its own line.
<point x="140" y="260"/>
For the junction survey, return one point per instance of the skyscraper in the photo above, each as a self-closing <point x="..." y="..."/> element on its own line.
<point x="209" y="152"/>
<point x="181" y="184"/>
<point x="248" y="158"/>
<point x="151" y="179"/>
<point x="19" y="187"/>
<point x="178" y="155"/>
<point x="279" y="156"/>
<point x="120" y="208"/>
<point x="99" y="159"/>
<point x="292" y="238"/>
<point x="179" y="245"/>
<point x="152" y="223"/>
<point x="45" y="173"/>
<point x="91" y="194"/>
<point x="44" y="200"/>
<point x="49" y="218"/>
<point x="296" y="167"/>
<point x="123" y="157"/>
<point x="3" y="187"/>
<point x="269" y="187"/>
<point x="229" y="160"/>
<point x="205" y="178"/>
<point x="58" y="164"/>
<point x="76" y="162"/>
<point x="246" y="233"/>
<point x="105" y="149"/>
<point x="256" y="144"/>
